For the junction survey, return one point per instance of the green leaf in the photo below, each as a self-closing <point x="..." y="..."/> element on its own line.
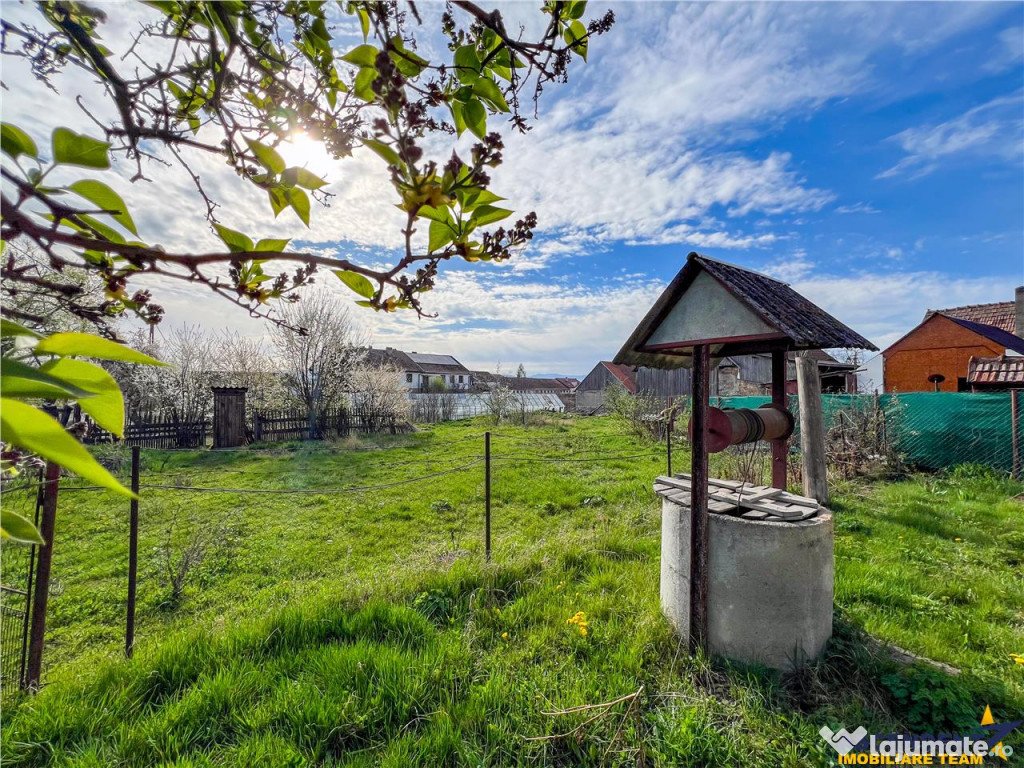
<point x="20" y="380"/>
<point x="104" y="197"/>
<point x="301" y="177"/>
<point x="577" y="9"/>
<point x="9" y="328"/>
<point x="358" y="283"/>
<point x="266" y="244"/>
<point x="364" y="22"/>
<point x="435" y="214"/>
<point x="268" y="156"/>
<point x="300" y="202"/>
<point x="15" y="527"/>
<point x="489" y="91"/>
<point x="458" y="116"/>
<point x="106" y="406"/>
<point x="476" y="118"/>
<point x="467" y="64"/>
<point x="363" y="86"/>
<point x="408" y="62"/>
<point x="87" y="345"/>
<point x="235" y="241"/>
<point x="278" y="199"/>
<point x="15" y="142"/>
<point x="470" y="199"/>
<point x="391" y="157"/>
<point x="362" y="56"/>
<point x="93" y="228"/>
<point x="576" y="37"/>
<point x="72" y="148"/>
<point x="440" y="235"/>
<point x="30" y="429"/>
<point x="488" y="214"/>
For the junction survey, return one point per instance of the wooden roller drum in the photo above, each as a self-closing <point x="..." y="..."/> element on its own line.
<point x="733" y="426"/>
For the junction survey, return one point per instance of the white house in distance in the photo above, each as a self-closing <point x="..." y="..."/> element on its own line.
<point x="422" y="371"/>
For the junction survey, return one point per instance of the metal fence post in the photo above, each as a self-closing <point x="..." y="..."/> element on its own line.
<point x="487" y="495"/>
<point x="1015" y="431"/>
<point x="51" y="480"/>
<point x="133" y="555"/>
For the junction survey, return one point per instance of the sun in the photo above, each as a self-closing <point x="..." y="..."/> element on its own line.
<point x="304" y="151"/>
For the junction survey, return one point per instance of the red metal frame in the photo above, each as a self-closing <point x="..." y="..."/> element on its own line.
<point x="780" y="448"/>
<point x="699" y="522"/>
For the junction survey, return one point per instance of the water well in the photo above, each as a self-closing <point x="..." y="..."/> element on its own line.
<point x="746" y="572"/>
<point x="770" y="570"/>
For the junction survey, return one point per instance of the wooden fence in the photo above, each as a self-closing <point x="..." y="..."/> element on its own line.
<point x="154" y="432"/>
<point x="340" y="422"/>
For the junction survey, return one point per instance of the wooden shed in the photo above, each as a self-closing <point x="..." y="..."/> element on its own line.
<point x="229" y="417"/>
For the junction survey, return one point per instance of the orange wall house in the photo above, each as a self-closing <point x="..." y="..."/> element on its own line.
<point x="938" y="345"/>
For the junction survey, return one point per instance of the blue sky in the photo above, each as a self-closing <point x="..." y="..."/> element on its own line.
<point x="870" y="154"/>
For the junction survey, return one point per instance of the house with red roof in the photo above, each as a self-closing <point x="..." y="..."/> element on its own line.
<point x="937" y="354"/>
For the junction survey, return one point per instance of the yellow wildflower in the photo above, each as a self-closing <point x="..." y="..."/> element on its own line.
<point x="579" y="619"/>
<point x="958" y="539"/>
<point x="1017" y="658"/>
<point x="504" y="635"/>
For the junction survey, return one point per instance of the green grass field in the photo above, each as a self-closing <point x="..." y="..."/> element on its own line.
<point x="364" y="628"/>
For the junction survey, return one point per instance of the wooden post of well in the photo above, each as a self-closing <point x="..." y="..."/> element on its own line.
<point x="133" y="554"/>
<point x="780" y="448"/>
<point x="37" y="633"/>
<point x="812" y="428"/>
<point x="699" y="523"/>
<point x="668" y="434"/>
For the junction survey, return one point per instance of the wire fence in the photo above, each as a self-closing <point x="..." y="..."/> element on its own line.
<point x="195" y="531"/>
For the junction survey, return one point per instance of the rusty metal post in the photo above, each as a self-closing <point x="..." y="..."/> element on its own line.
<point x="699" y="527"/>
<point x="1015" y="431"/>
<point x="133" y="555"/>
<point x="780" y="448"/>
<point x="487" y="496"/>
<point x="37" y="633"/>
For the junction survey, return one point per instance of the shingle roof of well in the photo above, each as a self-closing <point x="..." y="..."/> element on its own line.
<point x="807" y="325"/>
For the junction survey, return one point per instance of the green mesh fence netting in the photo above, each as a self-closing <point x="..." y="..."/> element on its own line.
<point x="933" y="430"/>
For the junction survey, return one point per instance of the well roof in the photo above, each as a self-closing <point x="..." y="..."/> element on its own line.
<point x="800" y="324"/>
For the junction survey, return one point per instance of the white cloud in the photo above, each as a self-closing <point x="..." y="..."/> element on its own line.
<point x="794" y="268"/>
<point x="883" y="306"/>
<point x="857" y="208"/>
<point x="1009" y="51"/>
<point x="991" y="130"/>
